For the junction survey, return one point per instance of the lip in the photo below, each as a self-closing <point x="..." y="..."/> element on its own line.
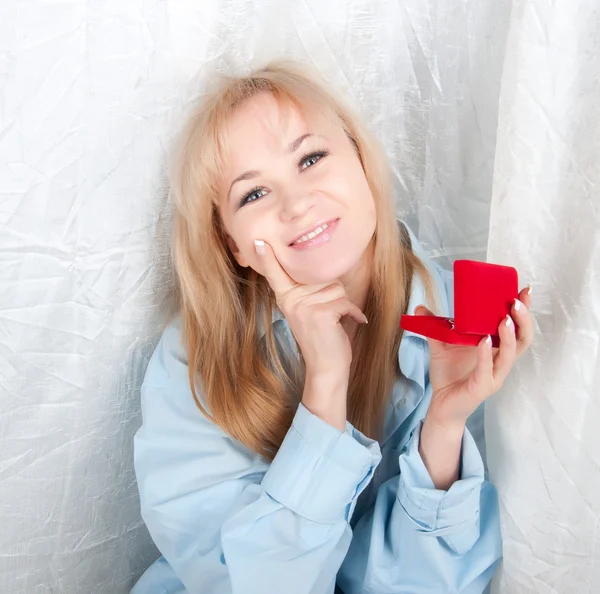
<point x="312" y="228"/>
<point x="321" y="239"/>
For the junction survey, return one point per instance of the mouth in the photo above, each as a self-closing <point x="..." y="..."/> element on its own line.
<point x="313" y="232"/>
<point x="319" y="234"/>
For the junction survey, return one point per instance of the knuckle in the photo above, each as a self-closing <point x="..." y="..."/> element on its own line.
<point x="285" y="302"/>
<point x="298" y="308"/>
<point x="283" y="306"/>
<point x="496" y="381"/>
<point x="339" y="287"/>
<point x="334" y="289"/>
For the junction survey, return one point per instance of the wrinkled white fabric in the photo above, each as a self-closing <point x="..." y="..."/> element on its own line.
<point x="91" y="97"/>
<point x="543" y="431"/>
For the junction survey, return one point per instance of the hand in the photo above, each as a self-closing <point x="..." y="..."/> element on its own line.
<point x="462" y="377"/>
<point x="314" y="313"/>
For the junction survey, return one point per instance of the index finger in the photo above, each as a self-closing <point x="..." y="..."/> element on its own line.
<point x="278" y="278"/>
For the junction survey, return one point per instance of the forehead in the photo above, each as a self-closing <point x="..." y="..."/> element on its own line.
<point x="264" y="115"/>
<point x="265" y="123"/>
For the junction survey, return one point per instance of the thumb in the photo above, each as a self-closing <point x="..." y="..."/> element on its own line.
<point x="435" y="346"/>
<point x="271" y="269"/>
<point x="421" y="310"/>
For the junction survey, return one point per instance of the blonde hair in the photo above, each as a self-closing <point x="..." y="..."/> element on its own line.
<point x="248" y="388"/>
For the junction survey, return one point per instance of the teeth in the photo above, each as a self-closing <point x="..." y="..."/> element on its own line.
<point x="312" y="234"/>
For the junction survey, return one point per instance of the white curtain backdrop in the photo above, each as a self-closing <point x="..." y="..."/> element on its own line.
<point x="543" y="433"/>
<point x="490" y="113"/>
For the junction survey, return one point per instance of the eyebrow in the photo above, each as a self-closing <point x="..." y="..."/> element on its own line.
<point x="292" y="148"/>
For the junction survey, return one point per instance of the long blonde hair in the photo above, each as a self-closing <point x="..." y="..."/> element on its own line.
<point x="248" y="389"/>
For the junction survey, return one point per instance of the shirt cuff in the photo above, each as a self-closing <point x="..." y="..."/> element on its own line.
<point x="433" y="510"/>
<point x="319" y="471"/>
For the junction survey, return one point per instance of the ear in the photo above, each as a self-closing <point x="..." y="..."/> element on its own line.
<point x="236" y="253"/>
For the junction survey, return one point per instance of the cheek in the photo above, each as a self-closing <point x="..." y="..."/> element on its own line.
<point x="247" y="230"/>
<point x="363" y="203"/>
<point x="355" y="186"/>
<point x="367" y="202"/>
<point x="251" y="229"/>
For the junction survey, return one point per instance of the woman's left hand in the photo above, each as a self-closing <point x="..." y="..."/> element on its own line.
<point x="462" y="377"/>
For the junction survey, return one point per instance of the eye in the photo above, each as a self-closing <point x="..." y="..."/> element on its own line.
<point x="251" y="196"/>
<point x="310" y="159"/>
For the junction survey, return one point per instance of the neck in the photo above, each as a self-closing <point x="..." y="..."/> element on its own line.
<point x="357" y="282"/>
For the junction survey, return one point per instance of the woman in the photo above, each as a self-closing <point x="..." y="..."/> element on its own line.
<point x="293" y="439"/>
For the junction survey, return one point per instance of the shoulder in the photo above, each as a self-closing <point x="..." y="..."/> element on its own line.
<point x="178" y="452"/>
<point x="169" y="360"/>
<point x="165" y="390"/>
<point x="173" y="426"/>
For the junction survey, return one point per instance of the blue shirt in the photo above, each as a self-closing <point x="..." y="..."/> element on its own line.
<point x="334" y="511"/>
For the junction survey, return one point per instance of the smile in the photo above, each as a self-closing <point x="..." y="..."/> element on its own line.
<point x="318" y="236"/>
<point x="312" y="234"/>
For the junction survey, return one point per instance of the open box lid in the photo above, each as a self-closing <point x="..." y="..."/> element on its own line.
<point x="483" y="295"/>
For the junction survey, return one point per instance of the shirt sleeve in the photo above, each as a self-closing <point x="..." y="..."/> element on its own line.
<point x="416" y="538"/>
<point x="453" y="514"/>
<point x="224" y="519"/>
<point x="419" y="539"/>
<point x="319" y="471"/>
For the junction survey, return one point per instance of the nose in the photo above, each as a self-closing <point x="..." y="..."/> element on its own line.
<point x="295" y="204"/>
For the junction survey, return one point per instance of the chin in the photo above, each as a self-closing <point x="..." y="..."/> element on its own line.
<point x="328" y="271"/>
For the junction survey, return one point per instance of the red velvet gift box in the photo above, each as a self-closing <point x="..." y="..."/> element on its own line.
<point x="483" y="294"/>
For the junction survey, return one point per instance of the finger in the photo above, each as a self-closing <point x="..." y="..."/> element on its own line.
<point x="524" y="325"/>
<point x="271" y="269"/>
<point x="484" y="371"/>
<point x="327" y="293"/>
<point x="507" y="352"/>
<point x="525" y="296"/>
<point x="421" y="310"/>
<point x="344" y="307"/>
<point x="338" y="309"/>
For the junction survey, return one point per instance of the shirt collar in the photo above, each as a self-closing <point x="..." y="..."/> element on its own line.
<point x="276" y="315"/>
<point x="413" y="347"/>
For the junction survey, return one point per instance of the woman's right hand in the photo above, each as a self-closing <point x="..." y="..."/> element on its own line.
<point x="314" y="313"/>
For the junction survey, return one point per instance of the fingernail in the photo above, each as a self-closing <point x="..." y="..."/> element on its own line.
<point x="259" y="244"/>
<point x="366" y="321"/>
<point x="488" y="340"/>
<point x="529" y="289"/>
<point x="508" y="320"/>
<point x="517" y="304"/>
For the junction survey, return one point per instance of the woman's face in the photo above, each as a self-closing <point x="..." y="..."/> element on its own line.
<point x="289" y="184"/>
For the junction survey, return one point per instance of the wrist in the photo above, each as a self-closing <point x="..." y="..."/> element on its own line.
<point x="440" y="446"/>
<point x="444" y="424"/>
<point x="449" y="431"/>
<point x="325" y="396"/>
